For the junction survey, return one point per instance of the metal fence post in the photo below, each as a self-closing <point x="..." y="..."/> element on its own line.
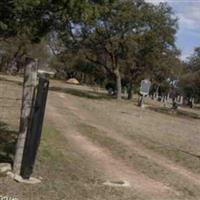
<point x="34" y="135"/>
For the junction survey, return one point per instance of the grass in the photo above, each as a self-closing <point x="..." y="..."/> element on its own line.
<point x="70" y="174"/>
<point x="7" y="143"/>
<point x="177" y="113"/>
<point x="10" y="101"/>
<point x="10" y="104"/>
<point x="141" y="163"/>
<point x="88" y="94"/>
<point x="66" y="175"/>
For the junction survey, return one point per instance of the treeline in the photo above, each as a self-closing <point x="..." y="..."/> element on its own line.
<point x="104" y="42"/>
<point x="189" y="82"/>
<point x="121" y="42"/>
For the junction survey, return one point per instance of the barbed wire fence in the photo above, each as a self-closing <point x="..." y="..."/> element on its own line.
<point x="10" y="101"/>
<point x="22" y="108"/>
<point x="16" y="97"/>
<point x="10" y="111"/>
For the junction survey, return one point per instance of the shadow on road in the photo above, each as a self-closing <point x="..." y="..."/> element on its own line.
<point x="82" y="93"/>
<point x="17" y="82"/>
<point x="178" y="113"/>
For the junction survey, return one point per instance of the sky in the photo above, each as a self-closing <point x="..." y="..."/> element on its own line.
<point x="188" y="13"/>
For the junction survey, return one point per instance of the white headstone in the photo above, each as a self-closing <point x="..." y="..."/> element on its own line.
<point x="145" y="87"/>
<point x="181" y="100"/>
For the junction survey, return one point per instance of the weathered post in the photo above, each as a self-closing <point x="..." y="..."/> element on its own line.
<point x="30" y="82"/>
<point x="34" y="135"/>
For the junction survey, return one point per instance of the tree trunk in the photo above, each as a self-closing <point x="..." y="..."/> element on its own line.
<point x="157" y="93"/>
<point x="130" y="90"/>
<point x="191" y="102"/>
<point x="13" y="65"/>
<point x="118" y="84"/>
<point x="30" y="81"/>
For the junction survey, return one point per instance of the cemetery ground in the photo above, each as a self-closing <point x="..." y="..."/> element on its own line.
<point x="89" y="138"/>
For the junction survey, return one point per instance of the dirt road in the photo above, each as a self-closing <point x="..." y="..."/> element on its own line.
<point x="105" y="139"/>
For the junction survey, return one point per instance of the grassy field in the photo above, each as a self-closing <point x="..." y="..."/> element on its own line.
<point x="89" y="138"/>
<point x="65" y="174"/>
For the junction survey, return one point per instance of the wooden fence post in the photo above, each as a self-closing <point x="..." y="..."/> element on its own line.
<point x="29" y="85"/>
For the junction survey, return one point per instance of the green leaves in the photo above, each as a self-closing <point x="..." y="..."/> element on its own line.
<point x="3" y="26"/>
<point x="190" y="79"/>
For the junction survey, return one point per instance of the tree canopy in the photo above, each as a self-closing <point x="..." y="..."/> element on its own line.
<point x="190" y="80"/>
<point x="124" y="38"/>
<point x="106" y="40"/>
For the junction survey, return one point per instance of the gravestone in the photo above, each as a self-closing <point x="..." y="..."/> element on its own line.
<point x="144" y="91"/>
<point x="145" y="87"/>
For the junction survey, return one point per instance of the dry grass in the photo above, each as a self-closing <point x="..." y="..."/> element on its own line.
<point x="66" y="175"/>
<point x="174" y="137"/>
<point x="128" y="133"/>
<point x="10" y="100"/>
<point x="10" y="104"/>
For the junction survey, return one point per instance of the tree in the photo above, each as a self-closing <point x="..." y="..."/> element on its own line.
<point x="110" y="37"/>
<point x="126" y="38"/>
<point x="15" y="50"/>
<point x="190" y="79"/>
<point x="158" y="56"/>
<point x="194" y="61"/>
<point x="32" y="20"/>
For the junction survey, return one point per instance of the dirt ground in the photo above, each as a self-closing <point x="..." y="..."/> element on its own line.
<point x="157" y="153"/>
<point x="90" y="138"/>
